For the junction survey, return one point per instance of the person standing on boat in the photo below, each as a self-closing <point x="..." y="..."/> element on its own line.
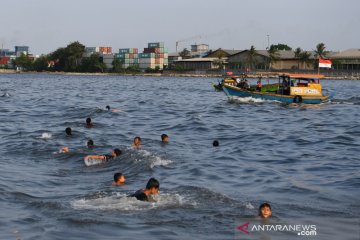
<point x="246" y="84"/>
<point x="258" y="85"/>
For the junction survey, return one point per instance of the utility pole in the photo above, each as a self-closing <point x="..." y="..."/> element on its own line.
<point x="268" y="38"/>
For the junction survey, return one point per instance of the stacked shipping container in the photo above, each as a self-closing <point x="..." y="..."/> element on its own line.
<point x="128" y="57"/>
<point x="104" y="50"/>
<point x="155" y="55"/>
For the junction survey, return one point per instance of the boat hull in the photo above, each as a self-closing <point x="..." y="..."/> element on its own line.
<point x="232" y="91"/>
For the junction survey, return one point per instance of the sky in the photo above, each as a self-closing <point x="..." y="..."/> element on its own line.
<point x="45" y="25"/>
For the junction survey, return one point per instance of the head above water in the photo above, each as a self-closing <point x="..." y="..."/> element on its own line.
<point x="137" y="141"/>
<point x="68" y="131"/>
<point x="265" y="210"/>
<point x="90" y="143"/>
<point x="117" y="152"/>
<point x="107" y="107"/>
<point x="153" y="186"/>
<point x="164" y="138"/>
<point x="119" y="179"/>
<point x="215" y="143"/>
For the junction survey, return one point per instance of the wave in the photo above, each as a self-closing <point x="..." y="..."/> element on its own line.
<point x="121" y="202"/>
<point x="45" y="136"/>
<point x="248" y="100"/>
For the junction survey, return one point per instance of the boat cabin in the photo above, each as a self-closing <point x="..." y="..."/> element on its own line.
<point x="300" y="84"/>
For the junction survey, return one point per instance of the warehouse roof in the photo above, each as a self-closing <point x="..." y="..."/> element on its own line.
<point x="350" y="53"/>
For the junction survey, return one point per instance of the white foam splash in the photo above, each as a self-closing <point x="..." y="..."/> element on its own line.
<point x="154" y="160"/>
<point x="248" y="100"/>
<point x="6" y="94"/>
<point x="122" y="202"/>
<point x="46" y="136"/>
<point x="249" y="206"/>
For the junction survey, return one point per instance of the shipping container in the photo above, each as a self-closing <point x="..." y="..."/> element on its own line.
<point x="146" y="60"/>
<point x="146" y="55"/>
<point x="104" y="50"/>
<point x="124" y="50"/>
<point x="156" y="45"/>
<point x="149" y="50"/>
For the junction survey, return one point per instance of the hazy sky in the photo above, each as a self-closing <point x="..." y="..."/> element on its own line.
<point x="45" y="25"/>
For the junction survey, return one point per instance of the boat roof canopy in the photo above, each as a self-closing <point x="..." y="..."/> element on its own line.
<point x="303" y="76"/>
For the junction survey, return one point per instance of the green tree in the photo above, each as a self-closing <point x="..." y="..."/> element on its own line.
<point x="185" y="54"/>
<point x="219" y="62"/>
<point x="273" y="55"/>
<point x="40" y="64"/>
<point x="133" y="69"/>
<point x="23" y="62"/>
<point x="281" y="46"/>
<point x="117" y="66"/>
<point x="68" y="59"/>
<point x="92" y="64"/>
<point x="305" y="58"/>
<point x="251" y="60"/>
<point x="320" y="50"/>
<point x="297" y="53"/>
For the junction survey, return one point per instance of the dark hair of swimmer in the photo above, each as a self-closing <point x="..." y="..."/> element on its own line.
<point x="153" y="183"/>
<point x="108" y="107"/>
<point x="68" y="131"/>
<point x="215" y="143"/>
<point x="164" y="137"/>
<point x="117" y="152"/>
<point x="88" y="121"/>
<point x="90" y="143"/>
<point x="117" y="176"/>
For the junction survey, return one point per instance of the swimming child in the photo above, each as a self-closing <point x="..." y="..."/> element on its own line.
<point x="137" y="142"/>
<point x="90" y="160"/>
<point x="64" y="150"/>
<point x="89" y="124"/>
<point x="152" y="188"/>
<point x="215" y="143"/>
<point x="265" y="210"/>
<point x="164" y="138"/>
<point x="115" y="153"/>
<point x="68" y="131"/>
<point x="119" y="179"/>
<point x="90" y="144"/>
<point x="114" y="110"/>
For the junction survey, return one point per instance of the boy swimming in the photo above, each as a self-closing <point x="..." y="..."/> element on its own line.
<point x="137" y="142"/>
<point x="119" y="179"/>
<point x="265" y="210"/>
<point x="152" y="188"/>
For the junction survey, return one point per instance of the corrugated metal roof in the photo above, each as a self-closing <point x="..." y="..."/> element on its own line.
<point x="231" y="52"/>
<point x="198" y="60"/>
<point x="283" y="54"/>
<point x="227" y="51"/>
<point x="350" y="53"/>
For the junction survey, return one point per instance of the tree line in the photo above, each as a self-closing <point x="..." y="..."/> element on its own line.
<point x="70" y="59"/>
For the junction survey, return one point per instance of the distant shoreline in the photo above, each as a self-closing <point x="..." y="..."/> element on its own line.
<point x="254" y="75"/>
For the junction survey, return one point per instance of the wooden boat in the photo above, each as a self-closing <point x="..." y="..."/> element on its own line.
<point x="232" y="82"/>
<point x="292" y="88"/>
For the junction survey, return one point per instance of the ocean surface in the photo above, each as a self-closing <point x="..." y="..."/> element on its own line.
<point x="303" y="160"/>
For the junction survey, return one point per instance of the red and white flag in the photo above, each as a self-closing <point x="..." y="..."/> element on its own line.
<point x="323" y="63"/>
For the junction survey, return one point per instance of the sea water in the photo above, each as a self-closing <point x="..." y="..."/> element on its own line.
<point x="303" y="160"/>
